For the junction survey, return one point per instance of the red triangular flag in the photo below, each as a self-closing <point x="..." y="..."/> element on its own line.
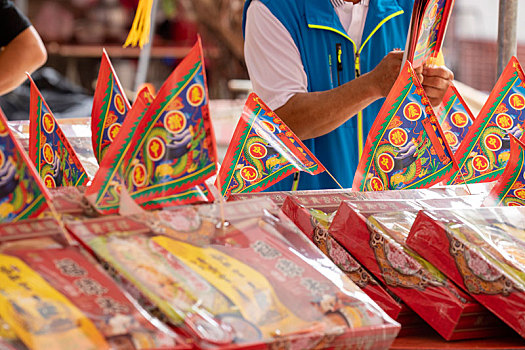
<point x="263" y="151"/>
<point x="53" y="156"/>
<point x="405" y="148"/>
<point x="110" y="107"/>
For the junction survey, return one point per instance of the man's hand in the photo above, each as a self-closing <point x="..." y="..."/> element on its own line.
<point x="384" y="75"/>
<point x="436" y="81"/>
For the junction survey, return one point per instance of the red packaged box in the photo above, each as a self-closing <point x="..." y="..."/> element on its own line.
<point x="122" y="322"/>
<point x="483" y="251"/>
<point x="255" y="282"/>
<point x="375" y="235"/>
<point x="317" y="231"/>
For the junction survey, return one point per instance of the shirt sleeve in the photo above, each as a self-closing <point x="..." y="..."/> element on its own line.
<point x="273" y="60"/>
<point x="12" y="22"/>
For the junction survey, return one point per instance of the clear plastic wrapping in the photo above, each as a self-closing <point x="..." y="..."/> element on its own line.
<point x="483" y="251"/>
<point x="253" y="280"/>
<point x="377" y="238"/>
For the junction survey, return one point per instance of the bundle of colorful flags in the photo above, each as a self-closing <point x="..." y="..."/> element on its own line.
<point x="165" y="148"/>
<point x="484" y="152"/>
<point x="406" y="147"/>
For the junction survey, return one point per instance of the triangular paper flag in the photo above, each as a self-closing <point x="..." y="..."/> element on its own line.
<point x="454" y="117"/>
<point x="510" y="188"/>
<point x="263" y="151"/>
<point x="405" y="148"/>
<point x="51" y="153"/>
<point x="22" y="192"/>
<point x="173" y="148"/>
<point x="484" y="152"/>
<point x="104" y="192"/>
<point x="110" y="107"/>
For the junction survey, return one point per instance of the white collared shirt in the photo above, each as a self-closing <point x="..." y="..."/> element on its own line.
<point x="273" y="60"/>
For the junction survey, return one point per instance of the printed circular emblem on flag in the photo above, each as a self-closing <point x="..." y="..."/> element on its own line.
<point x="156" y="148"/>
<point x="195" y="95"/>
<point x="376" y="184"/>
<point x="514" y="204"/>
<point x="258" y="150"/>
<point x="269" y="126"/>
<point x="517" y="101"/>
<point x="113" y="131"/>
<point x="48" y="154"/>
<point x="480" y="163"/>
<point x="3" y="129"/>
<point x="459" y="119"/>
<point x="412" y="111"/>
<point x="451" y="138"/>
<point x="398" y="137"/>
<point x="264" y="127"/>
<point x="386" y="162"/>
<point x="49" y="181"/>
<point x="139" y="175"/>
<point x="249" y="173"/>
<point x="48" y="123"/>
<point x="493" y="142"/>
<point x="520" y="193"/>
<point x="504" y="121"/>
<point x="119" y="103"/>
<point x="175" y="122"/>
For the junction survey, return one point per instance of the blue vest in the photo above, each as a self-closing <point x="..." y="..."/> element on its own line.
<point x="319" y="36"/>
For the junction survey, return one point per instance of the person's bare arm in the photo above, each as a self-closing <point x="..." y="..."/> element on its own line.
<point x="315" y="114"/>
<point x="25" y="53"/>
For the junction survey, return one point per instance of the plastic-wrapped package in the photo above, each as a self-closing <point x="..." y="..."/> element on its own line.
<point x="40" y="316"/>
<point x="376" y="237"/>
<point x="314" y="222"/>
<point x="123" y="323"/>
<point x="254" y="282"/>
<point x="44" y="233"/>
<point x="483" y="251"/>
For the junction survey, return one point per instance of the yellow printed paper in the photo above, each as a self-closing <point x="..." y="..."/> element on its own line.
<point x="39" y="315"/>
<point x="244" y="286"/>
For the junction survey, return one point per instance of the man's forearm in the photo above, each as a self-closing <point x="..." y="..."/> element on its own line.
<point x="25" y="53"/>
<point x="314" y="114"/>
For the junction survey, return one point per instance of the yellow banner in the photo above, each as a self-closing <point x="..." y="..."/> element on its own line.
<point x="244" y="286"/>
<point x="39" y="315"/>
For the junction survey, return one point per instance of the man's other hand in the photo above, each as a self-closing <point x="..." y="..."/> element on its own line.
<point x="384" y="75"/>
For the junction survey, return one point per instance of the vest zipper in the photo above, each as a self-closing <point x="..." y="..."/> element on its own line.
<point x="360" y="136"/>
<point x="339" y="52"/>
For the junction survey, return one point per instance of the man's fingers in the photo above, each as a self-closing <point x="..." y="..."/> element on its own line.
<point x="436" y="82"/>
<point x="441" y="72"/>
